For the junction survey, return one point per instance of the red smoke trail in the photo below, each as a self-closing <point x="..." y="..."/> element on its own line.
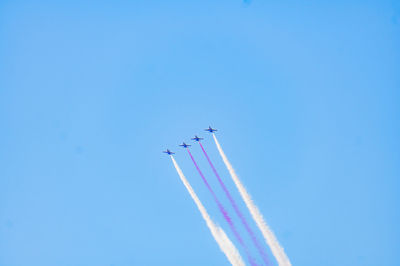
<point x="236" y="208"/>
<point x="223" y="211"/>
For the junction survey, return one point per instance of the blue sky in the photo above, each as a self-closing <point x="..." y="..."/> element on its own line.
<point x="305" y="95"/>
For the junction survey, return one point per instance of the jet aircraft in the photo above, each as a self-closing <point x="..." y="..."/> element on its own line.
<point x="184" y="145"/>
<point x="210" y="129"/>
<point x="196" y="138"/>
<point x="169" y="152"/>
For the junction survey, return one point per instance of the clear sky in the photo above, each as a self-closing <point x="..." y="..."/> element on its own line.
<point x="305" y="94"/>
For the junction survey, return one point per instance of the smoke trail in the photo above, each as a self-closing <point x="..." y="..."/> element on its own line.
<point x="269" y="236"/>
<point x="218" y="233"/>
<point x="236" y="208"/>
<point x="223" y="211"/>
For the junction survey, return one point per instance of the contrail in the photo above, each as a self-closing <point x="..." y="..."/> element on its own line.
<point x="218" y="233"/>
<point x="237" y="210"/>
<point x="223" y="211"/>
<point x="269" y="236"/>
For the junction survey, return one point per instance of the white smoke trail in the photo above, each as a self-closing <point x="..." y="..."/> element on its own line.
<point x="269" y="236"/>
<point x="218" y="233"/>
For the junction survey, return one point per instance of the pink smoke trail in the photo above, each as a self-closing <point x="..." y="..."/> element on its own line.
<point x="225" y="244"/>
<point x="236" y="208"/>
<point x="223" y="211"/>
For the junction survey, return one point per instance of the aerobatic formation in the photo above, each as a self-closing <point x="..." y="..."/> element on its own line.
<point x="225" y="244"/>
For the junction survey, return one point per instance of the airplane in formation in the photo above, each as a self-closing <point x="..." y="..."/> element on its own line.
<point x="184" y="145"/>
<point x="196" y="138"/>
<point x="169" y="152"/>
<point x="210" y="129"/>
